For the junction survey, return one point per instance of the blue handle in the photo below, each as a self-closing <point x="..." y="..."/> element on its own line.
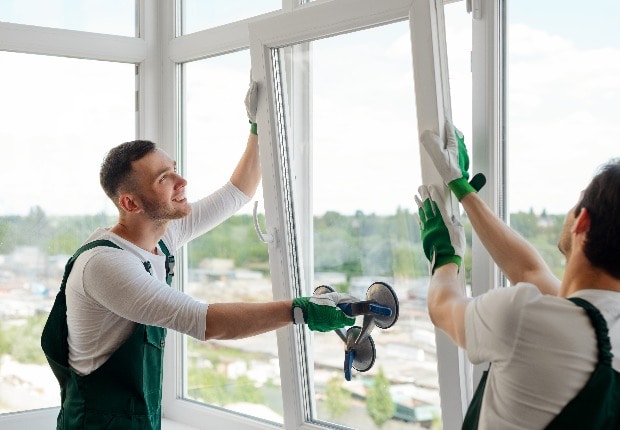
<point x="365" y="308"/>
<point x="349" y="355"/>
<point x="380" y="310"/>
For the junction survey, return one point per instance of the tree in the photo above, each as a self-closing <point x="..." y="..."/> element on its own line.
<point x="336" y="397"/>
<point x="379" y="403"/>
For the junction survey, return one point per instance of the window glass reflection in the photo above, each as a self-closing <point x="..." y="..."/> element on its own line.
<point x="562" y="111"/>
<point x="60" y="117"/>
<point x="365" y="171"/>
<point x="203" y="14"/>
<point x="228" y="263"/>
<point x="97" y="16"/>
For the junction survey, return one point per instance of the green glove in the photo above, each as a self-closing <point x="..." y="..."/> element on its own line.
<point x="321" y="313"/>
<point x="452" y="161"/>
<point x="251" y="104"/>
<point x="443" y="237"/>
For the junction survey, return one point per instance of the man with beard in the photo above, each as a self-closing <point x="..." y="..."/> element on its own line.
<point x="553" y="346"/>
<point x="105" y="335"/>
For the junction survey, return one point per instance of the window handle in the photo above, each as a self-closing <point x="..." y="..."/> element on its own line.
<point x="264" y="237"/>
<point x="475" y="8"/>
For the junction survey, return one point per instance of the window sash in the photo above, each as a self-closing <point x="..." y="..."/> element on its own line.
<point x="427" y="18"/>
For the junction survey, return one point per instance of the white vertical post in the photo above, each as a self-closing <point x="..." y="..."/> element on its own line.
<point x="433" y="106"/>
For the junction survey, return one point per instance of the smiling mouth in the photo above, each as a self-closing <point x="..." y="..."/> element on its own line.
<point x="180" y="199"/>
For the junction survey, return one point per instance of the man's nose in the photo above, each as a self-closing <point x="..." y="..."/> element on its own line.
<point x="181" y="181"/>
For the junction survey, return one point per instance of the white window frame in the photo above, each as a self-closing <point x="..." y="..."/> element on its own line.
<point x="158" y="51"/>
<point x="430" y="65"/>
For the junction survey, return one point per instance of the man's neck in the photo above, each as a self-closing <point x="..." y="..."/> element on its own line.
<point x="142" y="234"/>
<point x="581" y="275"/>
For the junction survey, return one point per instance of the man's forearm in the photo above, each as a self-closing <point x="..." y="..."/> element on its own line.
<point x="247" y="174"/>
<point x="447" y="302"/>
<point x="240" y="320"/>
<point x="516" y="258"/>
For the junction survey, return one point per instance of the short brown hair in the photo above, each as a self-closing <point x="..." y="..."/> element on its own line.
<point x="116" y="167"/>
<point x="602" y="200"/>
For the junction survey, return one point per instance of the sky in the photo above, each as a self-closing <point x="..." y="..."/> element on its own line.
<point x="562" y="105"/>
<point x="563" y="92"/>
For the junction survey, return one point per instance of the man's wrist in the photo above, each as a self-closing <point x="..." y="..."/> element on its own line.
<point x="460" y="187"/>
<point x="253" y="128"/>
<point x="298" y="310"/>
<point x="442" y="260"/>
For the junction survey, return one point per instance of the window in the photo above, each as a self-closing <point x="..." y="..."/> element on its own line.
<point x="60" y="116"/>
<point x="229" y="263"/>
<point x="98" y="16"/>
<point x="563" y="111"/>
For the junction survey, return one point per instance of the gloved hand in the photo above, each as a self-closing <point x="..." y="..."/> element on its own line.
<point x="251" y="103"/>
<point x="321" y="313"/>
<point x="452" y="161"/>
<point x="443" y="236"/>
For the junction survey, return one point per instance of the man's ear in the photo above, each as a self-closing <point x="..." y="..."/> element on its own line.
<point x="128" y="203"/>
<point x="582" y="222"/>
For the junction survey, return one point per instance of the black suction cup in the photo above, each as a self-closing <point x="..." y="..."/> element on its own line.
<point x="384" y="295"/>
<point x="361" y="355"/>
<point x="322" y="289"/>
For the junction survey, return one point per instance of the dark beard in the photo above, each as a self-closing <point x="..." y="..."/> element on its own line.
<point x="157" y="211"/>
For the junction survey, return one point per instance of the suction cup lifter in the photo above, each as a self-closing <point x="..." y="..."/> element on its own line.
<point x="364" y="308"/>
<point x="379" y="309"/>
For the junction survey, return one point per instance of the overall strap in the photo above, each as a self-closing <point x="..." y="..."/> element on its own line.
<point x="472" y="416"/>
<point x="600" y="326"/>
<point x="55" y="332"/>
<point x="85" y="247"/>
<point x="596" y="405"/>
<point x="169" y="262"/>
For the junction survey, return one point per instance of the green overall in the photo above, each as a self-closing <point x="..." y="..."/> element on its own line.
<point x="125" y="392"/>
<point x="596" y="406"/>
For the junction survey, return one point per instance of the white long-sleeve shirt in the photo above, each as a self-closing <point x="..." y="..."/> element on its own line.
<point x="543" y="349"/>
<point x="109" y="290"/>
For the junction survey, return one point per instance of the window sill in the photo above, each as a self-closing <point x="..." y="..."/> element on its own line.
<point x="173" y="425"/>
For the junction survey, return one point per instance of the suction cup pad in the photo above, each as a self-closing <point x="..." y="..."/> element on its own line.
<point x="384" y="295"/>
<point x="365" y="351"/>
<point x="322" y="289"/>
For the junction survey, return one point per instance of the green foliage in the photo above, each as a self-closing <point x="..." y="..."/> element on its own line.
<point x="543" y="232"/>
<point x="234" y="239"/>
<point x="212" y="386"/>
<point x="337" y="398"/>
<point x="437" y="424"/>
<point x="55" y="235"/>
<point x="22" y="341"/>
<point x="5" y="342"/>
<point x="354" y="245"/>
<point x="362" y="244"/>
<point x="379" y="403"/>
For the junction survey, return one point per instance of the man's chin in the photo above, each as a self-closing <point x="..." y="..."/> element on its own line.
<point x="185" y="211"/>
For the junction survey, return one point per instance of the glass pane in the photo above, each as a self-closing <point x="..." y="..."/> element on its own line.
<point x="365" y="172"/>
<point x="59" y="118"/>
<point x="563" y="111"/>
<point x="97" y="16"/>
<point x="203" y="14"/>
<point x="229" y="263"/>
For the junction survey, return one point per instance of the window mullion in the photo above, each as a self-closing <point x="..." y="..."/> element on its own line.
<point x="488" y="85"/>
